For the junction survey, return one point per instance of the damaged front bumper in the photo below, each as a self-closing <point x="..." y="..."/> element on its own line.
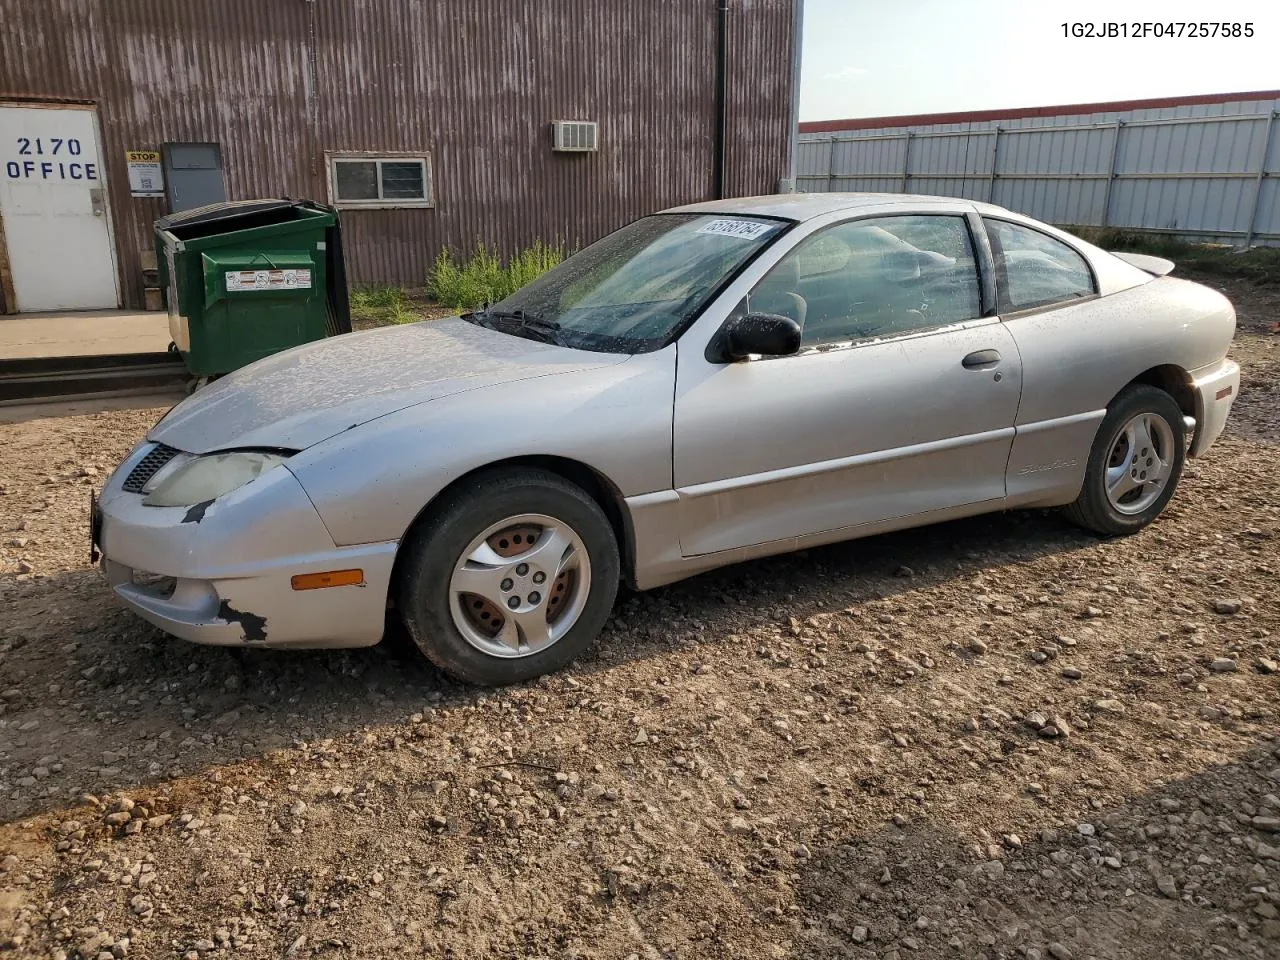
<point x="224" y="575"/>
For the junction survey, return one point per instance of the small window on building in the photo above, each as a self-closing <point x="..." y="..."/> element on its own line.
<point x="364" y="180"/>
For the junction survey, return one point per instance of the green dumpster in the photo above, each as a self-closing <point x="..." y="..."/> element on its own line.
<point x="247" y="279"/>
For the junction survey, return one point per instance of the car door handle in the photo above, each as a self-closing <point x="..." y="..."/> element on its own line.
<point x="981" y="359"/>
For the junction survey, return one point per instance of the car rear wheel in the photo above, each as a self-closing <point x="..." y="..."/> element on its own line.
<point x="1134" y="465"/>
<point x="509" y="579"/>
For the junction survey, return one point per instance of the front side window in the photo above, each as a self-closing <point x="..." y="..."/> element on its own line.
<point x="882" y="277"/>
<point x="369" y="181"/>
<point x="1035" y="270"/>
<point x="636" y="289"/>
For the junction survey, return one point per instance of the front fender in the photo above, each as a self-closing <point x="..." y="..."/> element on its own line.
<point x="369" y="483"/>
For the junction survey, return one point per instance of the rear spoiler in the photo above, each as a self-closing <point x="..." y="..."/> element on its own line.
<point x="1156" y="266"/>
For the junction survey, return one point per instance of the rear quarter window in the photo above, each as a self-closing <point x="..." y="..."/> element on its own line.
<point x="1034" y="269"/>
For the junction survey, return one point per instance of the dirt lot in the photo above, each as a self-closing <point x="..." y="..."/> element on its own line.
<point x="993" y="738"/>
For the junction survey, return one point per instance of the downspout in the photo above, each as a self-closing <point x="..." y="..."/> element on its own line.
<point x="313" y="104"/>
<point x="797" y="42"/>
<point x="718" y="155"/>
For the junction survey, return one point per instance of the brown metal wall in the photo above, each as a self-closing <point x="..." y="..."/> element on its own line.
<point x="474" y="83"/>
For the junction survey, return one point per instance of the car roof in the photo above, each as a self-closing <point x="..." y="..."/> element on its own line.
<point x="806" y="206"/>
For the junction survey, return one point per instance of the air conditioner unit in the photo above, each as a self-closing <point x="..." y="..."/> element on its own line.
<point x="575" y="136"/>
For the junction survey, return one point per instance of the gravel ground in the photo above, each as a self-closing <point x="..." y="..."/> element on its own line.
<point x="993" y="738"/>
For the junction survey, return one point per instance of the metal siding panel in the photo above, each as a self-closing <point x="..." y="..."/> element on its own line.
<point x="160" y="71"/>
<point x="413" y="75"/>
<point x="1268" y="219"/>
<point x="1062" y="175"/>
<point x="812" y="158"/>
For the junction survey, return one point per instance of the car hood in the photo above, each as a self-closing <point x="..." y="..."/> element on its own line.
<point x="302" y="396"/>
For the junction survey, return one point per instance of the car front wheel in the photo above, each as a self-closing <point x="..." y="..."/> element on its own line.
<point x="510" y="578"/>
<point x="1134" y="465"/>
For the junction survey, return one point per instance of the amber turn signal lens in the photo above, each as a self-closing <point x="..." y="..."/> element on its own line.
<point x="334" y="578"/>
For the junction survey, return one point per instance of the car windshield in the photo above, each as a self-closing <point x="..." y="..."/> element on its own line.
<point x="634" y="290"/>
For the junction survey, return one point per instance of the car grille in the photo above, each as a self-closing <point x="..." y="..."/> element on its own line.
<point x="147" y="467"/>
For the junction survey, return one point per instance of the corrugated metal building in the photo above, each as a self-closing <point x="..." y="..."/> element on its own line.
<point x="1204" y="167"/>
<point x="442" y="108"/>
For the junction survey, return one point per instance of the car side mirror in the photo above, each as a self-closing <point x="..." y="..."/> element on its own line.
<point x="766" y="334"/>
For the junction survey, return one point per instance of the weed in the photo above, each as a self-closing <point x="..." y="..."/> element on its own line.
<point x="379" y="297"/>
<point x="484" y="278"/>
<point x="375" y="306"/>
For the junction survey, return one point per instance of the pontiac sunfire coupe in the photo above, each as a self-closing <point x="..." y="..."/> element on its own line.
<point x="713" y="383"/>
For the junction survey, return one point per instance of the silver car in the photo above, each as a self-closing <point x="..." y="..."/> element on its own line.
<point x="717" y="382"/>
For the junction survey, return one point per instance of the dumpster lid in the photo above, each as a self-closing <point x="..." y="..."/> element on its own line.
<point x="229" y="210"/>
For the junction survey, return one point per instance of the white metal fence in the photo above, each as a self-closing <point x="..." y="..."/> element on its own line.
<point x="1214" y="177"/>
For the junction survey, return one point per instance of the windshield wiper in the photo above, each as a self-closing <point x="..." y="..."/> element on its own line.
<point x="526" y="324"/>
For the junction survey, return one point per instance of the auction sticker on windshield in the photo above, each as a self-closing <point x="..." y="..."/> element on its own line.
<point x="741" y="229"/>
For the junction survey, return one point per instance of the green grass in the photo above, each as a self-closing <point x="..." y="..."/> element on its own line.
<point x="1261" y="264"/>
<point x="382" y="305"/>
<point x="484" y="278"/>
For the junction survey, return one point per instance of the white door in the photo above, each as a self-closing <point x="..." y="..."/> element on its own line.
<point x="53" y="201"/>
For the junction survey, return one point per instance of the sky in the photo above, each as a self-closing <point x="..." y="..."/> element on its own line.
<point x="875" y="58"/>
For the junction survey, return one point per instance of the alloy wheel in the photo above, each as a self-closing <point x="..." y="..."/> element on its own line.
<point x="520" y="586"/>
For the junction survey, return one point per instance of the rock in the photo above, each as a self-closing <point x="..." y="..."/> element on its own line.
<point x="1035" y="720"/>
<point x="118" y="819"/>
<point x="16" y="542"/>
<point x="1227" y="607"/>
<point x="977" y="646"/>
<point x="1089" y="613"/>
<point x="1223" y="665"/>
<point x="1058" y="951"/>
<point x="1071" y="673"/>
<point x="1086" y="829"/>
<point x="992" y="869"/>
<point x="1269" y="824"/>
<point x="1012" y="841"/>
<point x="1167" y="887"/>
<point x="739" y="826"/>
<point x="298" y="809"/>
<point x="1266" y="665"/>
<point x="859" y="934"/>
<point x="1108" y="706"/>
<point x="24" y="567"/>
<point x="1056" y="727"/>
<point x="90" y="947"/>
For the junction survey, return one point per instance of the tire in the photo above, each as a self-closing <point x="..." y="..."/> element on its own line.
<point x="1097" y="510"/>
<point x="445" y="622"/>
